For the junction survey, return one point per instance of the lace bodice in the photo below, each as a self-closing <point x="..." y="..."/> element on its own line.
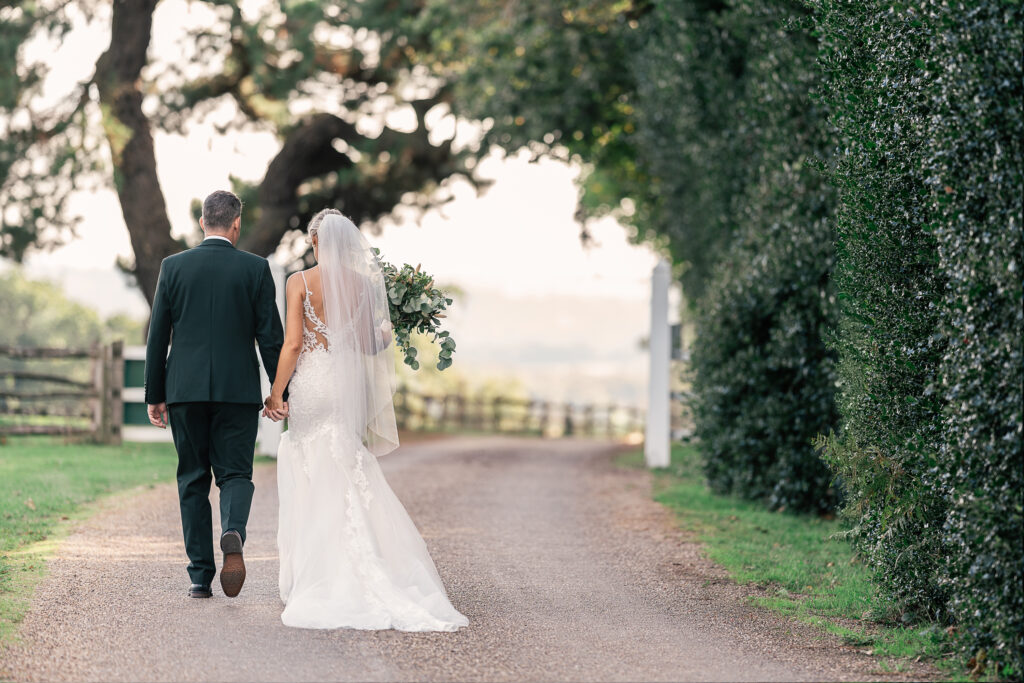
<point x="315" y="334"/>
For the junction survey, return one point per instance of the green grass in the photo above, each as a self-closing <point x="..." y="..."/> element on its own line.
<point x="45" y="484"/>
<point x="807" y="570"/>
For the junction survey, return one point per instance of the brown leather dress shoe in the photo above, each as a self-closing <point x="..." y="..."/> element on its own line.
<point x="232" y="574"/>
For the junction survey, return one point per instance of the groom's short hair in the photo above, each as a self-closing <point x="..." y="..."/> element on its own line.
<point x="220" y="209"/>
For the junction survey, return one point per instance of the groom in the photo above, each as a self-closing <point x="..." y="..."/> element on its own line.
<point x="215" y="300"/>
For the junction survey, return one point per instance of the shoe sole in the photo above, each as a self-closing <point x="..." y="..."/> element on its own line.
<point x="200" y="595"/>
<point x="232" y="574"/>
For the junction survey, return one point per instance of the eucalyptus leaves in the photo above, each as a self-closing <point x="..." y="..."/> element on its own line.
<point x="416" y="306"/>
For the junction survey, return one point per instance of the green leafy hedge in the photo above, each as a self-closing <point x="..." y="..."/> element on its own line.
<point x="927" y="96"/>
<point x="977" y="184"/>
<point x="764" y="378"/>
<point x="890" y="291"/>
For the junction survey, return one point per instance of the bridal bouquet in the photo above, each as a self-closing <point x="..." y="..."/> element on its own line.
<point x="416" y="306"/>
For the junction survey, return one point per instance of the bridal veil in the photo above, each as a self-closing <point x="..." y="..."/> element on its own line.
<point x="357" y="314"/>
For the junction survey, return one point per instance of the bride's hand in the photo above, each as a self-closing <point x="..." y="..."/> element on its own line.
<point x="275" y="408"/>
<point x="385" y="332"/>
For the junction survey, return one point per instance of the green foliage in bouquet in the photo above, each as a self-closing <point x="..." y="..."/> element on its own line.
<point x="416" y="306"/>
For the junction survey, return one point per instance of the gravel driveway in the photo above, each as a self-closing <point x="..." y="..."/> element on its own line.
<point x="565" y="567"/>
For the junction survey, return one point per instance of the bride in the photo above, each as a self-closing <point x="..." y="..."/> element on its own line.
<point x="350" y="555"/>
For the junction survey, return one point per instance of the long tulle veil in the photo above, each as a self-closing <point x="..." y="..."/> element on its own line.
<point x="357" y="315"/>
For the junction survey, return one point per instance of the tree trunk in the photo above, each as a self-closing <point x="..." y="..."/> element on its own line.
<point x="131" y="144"/>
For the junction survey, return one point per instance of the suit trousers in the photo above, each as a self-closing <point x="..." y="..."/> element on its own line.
<point x="217" y="437"/>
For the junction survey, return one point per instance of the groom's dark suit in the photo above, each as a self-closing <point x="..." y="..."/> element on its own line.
<point x="215" y="300"/>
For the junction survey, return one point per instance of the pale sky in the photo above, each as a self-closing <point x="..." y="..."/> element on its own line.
<point x="563" y="320"/>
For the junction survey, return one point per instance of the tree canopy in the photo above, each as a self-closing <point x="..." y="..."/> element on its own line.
<point x="643" y="94"/>
<point x="320" y="76"/>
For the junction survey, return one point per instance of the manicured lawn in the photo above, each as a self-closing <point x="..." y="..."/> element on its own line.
<point x="808" y="570"/>
<point x="44" y="482"/>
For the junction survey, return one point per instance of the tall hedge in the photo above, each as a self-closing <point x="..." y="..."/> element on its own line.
<point x="688" y="62"/>
<point x="976" y="183"/>
<point x="710" y="116"/>
<point x="927" y="96"/>
<point x="764" y="378"/>
<point x="890" y="293"/>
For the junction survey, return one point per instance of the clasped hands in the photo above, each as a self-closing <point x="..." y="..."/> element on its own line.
<point x="275" y="408"/>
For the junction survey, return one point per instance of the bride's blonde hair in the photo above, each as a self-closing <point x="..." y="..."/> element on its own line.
<point x="318" y="218"/>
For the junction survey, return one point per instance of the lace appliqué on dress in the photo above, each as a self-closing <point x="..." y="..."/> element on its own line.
<point x="310" y="340"/>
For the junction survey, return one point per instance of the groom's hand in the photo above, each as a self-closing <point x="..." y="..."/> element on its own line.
<point x="158" y="415"/>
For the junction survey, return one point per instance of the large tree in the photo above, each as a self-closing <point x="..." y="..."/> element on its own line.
<point x="313" y="73"/>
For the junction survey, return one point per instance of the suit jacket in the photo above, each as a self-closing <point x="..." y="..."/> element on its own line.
<point x="215" y="301"/>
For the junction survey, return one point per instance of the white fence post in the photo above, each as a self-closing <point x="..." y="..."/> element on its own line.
<point x="269" y="436"/>
<point x="656" y="439"/>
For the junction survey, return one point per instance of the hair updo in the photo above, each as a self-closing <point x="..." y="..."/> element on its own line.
<point x="316" y="220"/>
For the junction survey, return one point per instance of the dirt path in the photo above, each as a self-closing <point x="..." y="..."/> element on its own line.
<point x="565" y="567"/>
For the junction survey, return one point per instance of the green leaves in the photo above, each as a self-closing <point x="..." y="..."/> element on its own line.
<point x="930" y="334"/>
<point x="397" y="292"/>
<point x="764" y="377"/>
<point x="416" y="307"/>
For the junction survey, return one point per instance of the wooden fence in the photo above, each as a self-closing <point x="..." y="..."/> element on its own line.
<point x="65" y="392"/>
<point x="96" y="393"/>
<point x="497" y="415"/>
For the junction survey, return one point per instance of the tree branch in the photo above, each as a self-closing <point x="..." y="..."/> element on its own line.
<point x="413" y="164"/>
<point x="307" y="153"/>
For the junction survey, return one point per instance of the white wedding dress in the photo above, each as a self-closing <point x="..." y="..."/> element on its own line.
<point x="350" y="555"/>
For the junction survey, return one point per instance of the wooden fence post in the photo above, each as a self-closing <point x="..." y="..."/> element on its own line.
<point x="545" y="417"/>
<point x="111" y="394"/>
<point x="460" y="403"/>
<point x="442" y="420"/>
<point x="478" y="413"/>
<point x="99" y="383"/>
<point x="399" y="406"/>
<point x="428" y="409"/>
<point x="116" y="396"/>
<point x="104" y="432"/>
<point x="496" y="417"/>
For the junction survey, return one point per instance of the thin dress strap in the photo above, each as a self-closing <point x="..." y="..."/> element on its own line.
<point x="304" y="283"/>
